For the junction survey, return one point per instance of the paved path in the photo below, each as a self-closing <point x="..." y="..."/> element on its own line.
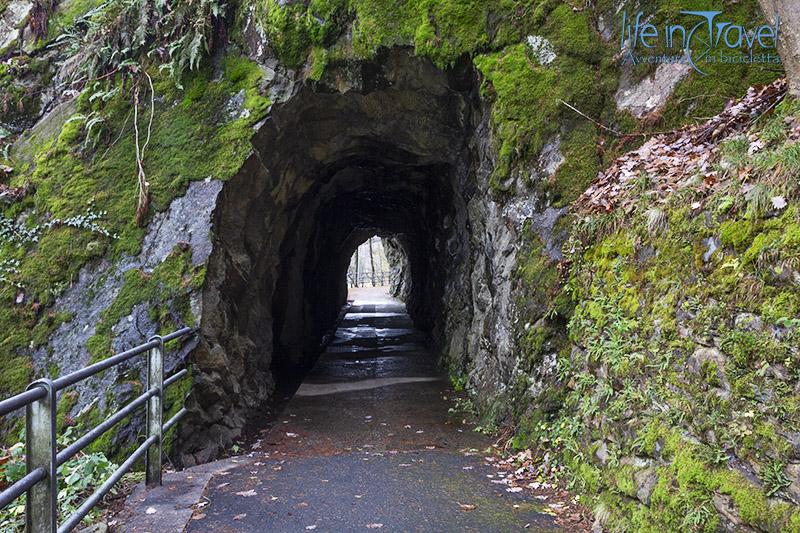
<point x="367" y="443"/>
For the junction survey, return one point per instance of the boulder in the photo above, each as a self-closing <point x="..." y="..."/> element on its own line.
<point x="645" y="483"/>
<point x="749" y="322"/>
<point x="788" y="37"/>
<point x="710" y="355"/>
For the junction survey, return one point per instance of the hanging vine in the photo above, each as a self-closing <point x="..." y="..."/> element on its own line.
<point x="143" y="203"/>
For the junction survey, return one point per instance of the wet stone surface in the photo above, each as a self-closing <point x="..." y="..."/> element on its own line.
<point x="368" y="442"/>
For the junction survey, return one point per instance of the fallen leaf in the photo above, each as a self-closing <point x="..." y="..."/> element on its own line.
<point x="199" y="516"/>
<point x="467" y="506"/>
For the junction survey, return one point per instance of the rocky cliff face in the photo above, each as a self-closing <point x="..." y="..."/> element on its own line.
<point x="620" y="331"/>
<point x="786" y="14"/>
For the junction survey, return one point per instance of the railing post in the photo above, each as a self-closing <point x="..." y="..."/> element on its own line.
<point x="155" y="411"/>
<point x="41" y="512"/>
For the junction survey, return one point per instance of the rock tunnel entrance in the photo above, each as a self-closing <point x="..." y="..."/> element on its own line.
<point x="378" y="148"/>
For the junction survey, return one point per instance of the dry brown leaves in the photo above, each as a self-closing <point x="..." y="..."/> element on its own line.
<point x="9" y="194"/>
<point x="523" y="472"/>
<point x="675" y="159"/>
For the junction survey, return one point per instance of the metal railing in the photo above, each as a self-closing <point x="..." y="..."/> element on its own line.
<point x="42" y="457"/>
<point x="367" y="279"/>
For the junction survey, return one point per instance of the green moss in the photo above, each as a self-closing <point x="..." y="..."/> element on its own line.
<point x="319" y="61"/>
<point x="47" y="325"/>
<point x="67" y="13"/>
<point x="581" y="164"/>
<point x="193" y="138"/>
<point x="65" y="404"/>
<point x="793" y="525"/>
<point x="521" y="132"/>
<point x="289" y="28"/>
<point x="174" y="402"/>
<point x="441" y="30"/>
<point x="623" y="481"/>
<point x="652" y="437"/>
<point x="165" y="290"/>
<point x="244" y="75"/>
<point x="761" y="243"/>
<point x="589" y="476"/>
<point x="710" y="372"/>
<point x="748" y="348"/>
<point x="572" y="33"/>
<point x="735" y="233"/>
<point x="791" y="237"/>
<point x="15" y="375"/>
<point x="785" y="305"/>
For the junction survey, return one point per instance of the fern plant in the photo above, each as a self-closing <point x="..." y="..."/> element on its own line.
<point x="118" y="35"/>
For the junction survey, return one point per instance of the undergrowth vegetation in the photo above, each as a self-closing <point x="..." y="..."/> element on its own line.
<point x="679" y="387"/>
<point x="78" y="478"/>
<point x="83" y="209"/>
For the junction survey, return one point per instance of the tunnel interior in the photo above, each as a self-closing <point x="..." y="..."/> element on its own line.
<point x="384" y="147"/>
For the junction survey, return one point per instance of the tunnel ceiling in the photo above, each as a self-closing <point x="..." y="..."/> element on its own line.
<point x="383" y="147"/>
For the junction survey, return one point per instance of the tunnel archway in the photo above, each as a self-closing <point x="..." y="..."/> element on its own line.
<point x="389" y="150"/>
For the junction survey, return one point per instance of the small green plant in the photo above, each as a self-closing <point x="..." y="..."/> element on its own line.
<point x="774" y="477"/>
<point x="9" y="268"/>
<point x="715" y="455"/>
<point x="463" y="405"/>
<point x="488" y="429"/>
<point x="759" y="200"/>
<point x="657" y="221"/>
<point x="697" y="517"/>
<point x="21" y="234"/>
<point x="643" y="182"/>
<point x="734" y="152"/>
<point x="459" y="382"/>
<point x="77" y="478"/>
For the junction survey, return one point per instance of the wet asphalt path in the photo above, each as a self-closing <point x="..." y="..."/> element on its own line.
<point x="368" y="443"/>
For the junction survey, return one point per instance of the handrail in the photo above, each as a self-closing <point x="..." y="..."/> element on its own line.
<point x="97" y="495"/>
<point x="21" y="400"/>
<point x="42" y="457"/>
<point x="22" y="486"/>
<point x="73" y="449"/>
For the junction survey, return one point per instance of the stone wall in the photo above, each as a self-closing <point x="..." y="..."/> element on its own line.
<point x="789" y="43"/>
